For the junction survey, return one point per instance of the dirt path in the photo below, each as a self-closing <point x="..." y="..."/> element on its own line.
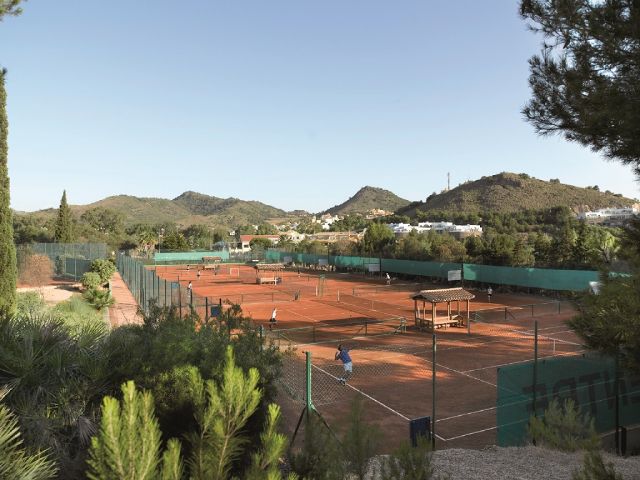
<point x="125" y="310"/>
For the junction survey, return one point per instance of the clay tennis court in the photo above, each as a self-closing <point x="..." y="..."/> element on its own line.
<point x="392" y="366"/>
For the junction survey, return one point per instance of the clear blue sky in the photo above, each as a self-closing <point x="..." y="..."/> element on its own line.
<point x="294" y="103"/>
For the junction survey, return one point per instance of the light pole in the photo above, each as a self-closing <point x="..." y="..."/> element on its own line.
<point x="160" y="235"/>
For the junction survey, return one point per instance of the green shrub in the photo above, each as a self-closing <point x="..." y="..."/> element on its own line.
<point x="103" y="267"/>
<point x="99" y="299"/>
<point x="409" y="463"/>
<point x="360" y="441"/>
<point x="594" y="468"/>
<point x="91" y="280"/>
<point x="30" y="304"/>
<point x="320" y="455"/>
<point x="77" y="312"/>
<point x="563" y="428"/>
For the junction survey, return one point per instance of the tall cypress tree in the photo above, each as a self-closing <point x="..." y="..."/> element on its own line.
<point x="8" y="268"/>
<point x="64" y="224"/>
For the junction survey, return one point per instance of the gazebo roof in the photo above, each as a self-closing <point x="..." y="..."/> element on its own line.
<point x="273" y="267"/>
<point x="443" y="295"/>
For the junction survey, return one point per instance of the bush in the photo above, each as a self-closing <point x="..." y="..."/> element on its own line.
<point x="409" y="463"/>
<point x="564" y="428"/>
<point x="103" y="267"/>
<point x="30" y="305"/>
<point x="36" y="270"/>
<point x="98" y="299"/>
<point x="91" y="280"/>
<point x="594" y="468"/>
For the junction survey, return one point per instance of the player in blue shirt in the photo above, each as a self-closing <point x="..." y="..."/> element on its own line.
<point x="343" y="355"/>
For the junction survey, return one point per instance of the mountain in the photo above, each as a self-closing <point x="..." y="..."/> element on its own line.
<point x="512" y="192"/>
<point x="229" y="210"/>
<point x="369" y="198"/>
<point x="186" y="209"/>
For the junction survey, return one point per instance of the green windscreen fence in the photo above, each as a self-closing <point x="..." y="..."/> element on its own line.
<point x="70" y="260"/>
<point x="185" y="257"/>
<point x="361" y="264"/>
<point x="543" y="278"/>
<point x="588" y="379"/>
<point x="413" y="267"/>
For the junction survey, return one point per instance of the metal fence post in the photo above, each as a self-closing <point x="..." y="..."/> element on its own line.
<point x="433" y="392"/>
<point x="309" y="403"/>
<point x="535" y="368"/>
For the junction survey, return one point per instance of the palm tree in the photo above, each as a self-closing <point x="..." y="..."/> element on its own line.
<point x="147" y="240"/>
<point x="14" y="461"/>
<point x="56" y="378"/>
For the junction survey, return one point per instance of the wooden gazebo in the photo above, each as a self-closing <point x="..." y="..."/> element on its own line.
<point x="442" y="295"/>
<point x="263" y="277"/>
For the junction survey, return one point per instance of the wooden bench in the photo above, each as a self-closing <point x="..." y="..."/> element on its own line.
<point x="454" y="320"/>
<point x="266" y="280"/>
<point x="211" y="266"/>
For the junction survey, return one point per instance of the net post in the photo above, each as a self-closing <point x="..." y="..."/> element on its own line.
<point x="505" y="314"/>
<point x="535" y="367"/>
<point x="365" y="326"/>
<point x="433" y="391"/>
<point x="206" y="309"/>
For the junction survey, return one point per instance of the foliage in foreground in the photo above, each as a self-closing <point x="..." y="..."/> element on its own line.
<point x="594" y="468"/>
<point x="129" y="442"/>
<point x="61" y="412"/>
<point x="563" y="427"/>
<point x="15" y="462"/>
<point x="409" y="463"/>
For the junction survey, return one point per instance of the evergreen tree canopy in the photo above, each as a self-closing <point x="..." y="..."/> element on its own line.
<point x="64" y="223"/>
<point x="8" y="268"/>
<point x="586" y="81"/>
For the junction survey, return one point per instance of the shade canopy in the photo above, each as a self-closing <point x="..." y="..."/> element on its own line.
<point x="443" y="295"/>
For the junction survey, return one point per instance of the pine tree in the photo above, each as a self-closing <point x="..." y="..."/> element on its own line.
<point x="64" y="224"/>
<point x="8" y="264"/>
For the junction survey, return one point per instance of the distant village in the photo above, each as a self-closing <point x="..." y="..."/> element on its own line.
<point x="605" y="216"/>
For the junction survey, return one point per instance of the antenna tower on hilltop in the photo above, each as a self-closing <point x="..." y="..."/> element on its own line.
<point x="448" y="181"/>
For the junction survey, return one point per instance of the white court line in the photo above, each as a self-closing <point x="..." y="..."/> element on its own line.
<point x="465" y="414"/>
<point x="438" y="365"/>
<point x="369" y="397"/>
<point x="468" y="434"/>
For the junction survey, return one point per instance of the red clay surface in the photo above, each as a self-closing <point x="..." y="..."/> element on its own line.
<point x="392" y="370"/>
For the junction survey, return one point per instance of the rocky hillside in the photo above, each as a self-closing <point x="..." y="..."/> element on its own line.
<point x="186" y="209"/>
<point x="369" y="198"/>
<point x="511" y="192"/>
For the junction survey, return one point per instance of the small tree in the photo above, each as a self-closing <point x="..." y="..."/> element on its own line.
<point x="594" y="468"/>
<point x="103" y="267"/>
<point x="91" y="280"/>
<point x="8" y="269"/>
<point x="36" y="270"/>
<point x="409" y="463"/>
<point x="360" y="441"/>
<point x="128" y="443"/>
<point x="64" y="223"/>
<point x="99" y="299"/>
<point x="564" y="428"/>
